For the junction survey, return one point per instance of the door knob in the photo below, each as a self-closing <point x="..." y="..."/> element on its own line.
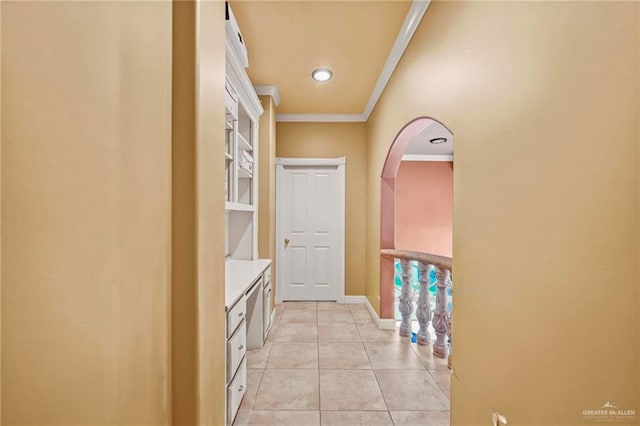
<point x="286" y="242"/>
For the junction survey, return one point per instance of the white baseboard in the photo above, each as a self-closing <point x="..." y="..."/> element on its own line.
<point x="383" y="324"/>
<point x="353" y="300"/>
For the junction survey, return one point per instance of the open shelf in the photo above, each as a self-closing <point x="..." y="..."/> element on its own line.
<point x="244" y="123"/>
<point x="241" y="155"/>
<point x="243" y="144"/>
<point x="244" y="174"/>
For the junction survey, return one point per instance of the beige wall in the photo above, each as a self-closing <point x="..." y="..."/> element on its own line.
<point x="198" y="214"/>
<point x="92" y="150"/>
<point x="0" y="215"/>
<point x="267" y="181"/>
<point x="543" y="101"/>
<point x="86" y="195"/>
<point x="210" y="223"/>
<point x="331" y="140"/>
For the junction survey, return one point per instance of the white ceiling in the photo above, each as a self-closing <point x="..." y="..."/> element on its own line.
<point x="420" y="145"/>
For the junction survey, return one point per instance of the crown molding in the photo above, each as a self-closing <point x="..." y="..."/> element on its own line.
<point x="411" y="21"/>
<point x="268" y="90"/>
<point x="321" y="118"/>
<point x="414" y="17"/>
<point x="426" y="157"/>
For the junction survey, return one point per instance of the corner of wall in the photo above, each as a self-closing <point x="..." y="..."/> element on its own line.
<point x="198" y="314"/>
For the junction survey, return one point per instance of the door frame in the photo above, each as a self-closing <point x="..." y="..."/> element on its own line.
<point x="314" y="163"/>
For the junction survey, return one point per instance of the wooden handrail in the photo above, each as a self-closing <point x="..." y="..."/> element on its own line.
<point x="441" y="262"/>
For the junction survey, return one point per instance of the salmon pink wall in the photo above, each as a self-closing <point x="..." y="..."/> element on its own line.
<point x="424" y="207"/>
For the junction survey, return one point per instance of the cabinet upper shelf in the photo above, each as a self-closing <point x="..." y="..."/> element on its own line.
<point x="243" y="144"/>
<point x="239" y="207"/>
<point x="242" y="173"/>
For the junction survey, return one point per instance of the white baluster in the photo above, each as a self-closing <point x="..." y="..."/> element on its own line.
<point x="440" y="347"/>
<point x="423" y="308"/>
<point x="405" y="305"/>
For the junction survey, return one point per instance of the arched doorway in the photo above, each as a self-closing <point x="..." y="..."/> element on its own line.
<point x="425" y="137"/>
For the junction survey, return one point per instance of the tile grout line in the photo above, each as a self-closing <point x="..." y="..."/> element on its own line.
<point x="375" y="376"/>
<point x="440" y="388"/>
<point x="319" y="370"/>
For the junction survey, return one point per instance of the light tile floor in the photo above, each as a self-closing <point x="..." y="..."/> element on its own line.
<point x="329" y="364"/>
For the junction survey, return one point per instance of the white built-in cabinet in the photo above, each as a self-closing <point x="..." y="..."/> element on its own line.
<point x="247" y="278"/>
<point x="241" y="183"/>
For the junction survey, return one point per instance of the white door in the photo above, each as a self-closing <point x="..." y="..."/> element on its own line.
<point x="310" y="229"/>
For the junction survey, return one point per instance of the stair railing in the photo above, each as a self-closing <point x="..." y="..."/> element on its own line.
<point x="438" y="319"/>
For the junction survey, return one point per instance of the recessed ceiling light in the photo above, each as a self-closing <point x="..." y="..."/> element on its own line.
<point x="436" y="141"/>
<point x="322" y="74"/>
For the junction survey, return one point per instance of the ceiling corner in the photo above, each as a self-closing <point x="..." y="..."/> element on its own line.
<point x="268" y="90"/>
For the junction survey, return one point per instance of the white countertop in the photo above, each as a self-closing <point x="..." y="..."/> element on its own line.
<point x="239" y="275"/>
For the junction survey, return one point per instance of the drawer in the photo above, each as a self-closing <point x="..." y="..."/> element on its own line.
<point x="236" y="348"/>
<point x="236" y="315"/>
<point x="236" y="391"/>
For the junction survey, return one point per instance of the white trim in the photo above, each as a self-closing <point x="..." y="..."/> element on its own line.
<point x="321" y="118"/>
<point x="383" y="324"/>
<point x="353" y="300"/>
<point x="409" y="26"/>
<point x="311" y="162"/>
<point x="278" y="256"/>
<point x="255" y="182"/>
<point x="426" y="157"/>
<point x="340" y="163"/>
<point x="268" y="90"/>
<point x="239" y="79"/>
<point x="342" y="196"/>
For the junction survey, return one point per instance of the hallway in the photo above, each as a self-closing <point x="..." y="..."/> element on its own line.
<point x="329" y="364"/>
<point x="140" y="232"/>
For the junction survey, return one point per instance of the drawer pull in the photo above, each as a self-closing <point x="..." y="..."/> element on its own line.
<point x="241" y="347"/>
<point x="240" y="314"/>
<point x="241" y="388"/>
